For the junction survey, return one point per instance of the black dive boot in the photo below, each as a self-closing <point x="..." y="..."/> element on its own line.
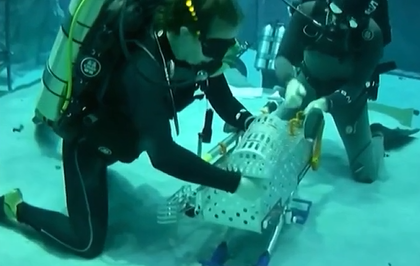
<point x="394" y="138"/>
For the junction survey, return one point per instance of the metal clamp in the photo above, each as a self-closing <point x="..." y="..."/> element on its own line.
<point x="296" y="123"/>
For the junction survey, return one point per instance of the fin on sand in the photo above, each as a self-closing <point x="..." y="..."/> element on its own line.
<point x="394" y="138"/>
<point x="402" y="115"/>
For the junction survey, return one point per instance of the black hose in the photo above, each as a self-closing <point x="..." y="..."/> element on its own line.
<point x="128" y="57"/>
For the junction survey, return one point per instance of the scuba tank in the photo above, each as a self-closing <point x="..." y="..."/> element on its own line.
<point x="269" y="45"/>
<point x="57" y="75"/>
<point x="87" y="48"/>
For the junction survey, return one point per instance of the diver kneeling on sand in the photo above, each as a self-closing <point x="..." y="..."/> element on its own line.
<point x="156" y="69"/>
<point x="336" y="46"/>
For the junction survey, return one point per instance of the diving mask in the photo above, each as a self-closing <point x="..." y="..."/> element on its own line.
<point x="351" y="13"/>
<point x="341" y="17"/>
<point x="216" y="49"/>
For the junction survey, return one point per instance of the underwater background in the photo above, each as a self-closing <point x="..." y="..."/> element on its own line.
<point x="350" y="224"/>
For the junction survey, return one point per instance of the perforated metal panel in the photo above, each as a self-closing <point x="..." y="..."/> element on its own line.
<point x="260" y="149"/>
<point x="267" y="152"/>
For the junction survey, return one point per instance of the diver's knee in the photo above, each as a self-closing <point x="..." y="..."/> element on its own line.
<point x="365" y="168"/>
<point x="92" y="253"/>
<point x="91" y="244"/>
<point x="364" y="172"/>
<point x="91" y="248"/>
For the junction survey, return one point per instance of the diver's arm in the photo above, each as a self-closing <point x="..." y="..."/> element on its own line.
<point x="226" y="105"/>
<point x="150" y="115"/>
<point x="365" y="65"/>
<point x="292" y="45"/>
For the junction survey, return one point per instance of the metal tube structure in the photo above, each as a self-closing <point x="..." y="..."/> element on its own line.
<point x="220" y="149"/>
<point x="5" y="54"/>
<point x="7" y="43"/>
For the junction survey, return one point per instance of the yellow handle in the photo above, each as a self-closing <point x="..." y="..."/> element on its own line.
<point x="207" y="157"/>
<point x="316" y="153"/>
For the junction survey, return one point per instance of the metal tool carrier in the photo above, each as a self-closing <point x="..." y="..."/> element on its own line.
<point x="272" y="150"/>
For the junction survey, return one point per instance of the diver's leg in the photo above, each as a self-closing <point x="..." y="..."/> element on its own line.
<point x="84" y="230"/>
<point x="365" y="150"/>
<point x="289" y="113"/>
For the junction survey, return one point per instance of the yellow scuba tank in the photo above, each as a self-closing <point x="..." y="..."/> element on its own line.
<point x="57" y="75"/>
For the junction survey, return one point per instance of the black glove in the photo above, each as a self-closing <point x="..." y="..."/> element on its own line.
<point x="231" y="129"/>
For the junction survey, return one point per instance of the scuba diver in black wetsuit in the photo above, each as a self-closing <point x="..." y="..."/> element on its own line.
<point x="177" y="53"/>
<point x="336" y="46"/>
<point x="379" y="12"/>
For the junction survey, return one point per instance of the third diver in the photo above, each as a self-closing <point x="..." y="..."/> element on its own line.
<point x="329" y="51"/>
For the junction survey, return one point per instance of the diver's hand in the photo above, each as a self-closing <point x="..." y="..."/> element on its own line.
<point x="320" y="103"/>
<point x="250" y="189"/>
<point x="229" y="129"/>
<point x="295" y="92"/>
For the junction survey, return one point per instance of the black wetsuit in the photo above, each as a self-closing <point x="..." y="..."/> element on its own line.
<point x="143" y="99"/>
<point x="338" y="72"/>
<point x="380" y="15"/>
